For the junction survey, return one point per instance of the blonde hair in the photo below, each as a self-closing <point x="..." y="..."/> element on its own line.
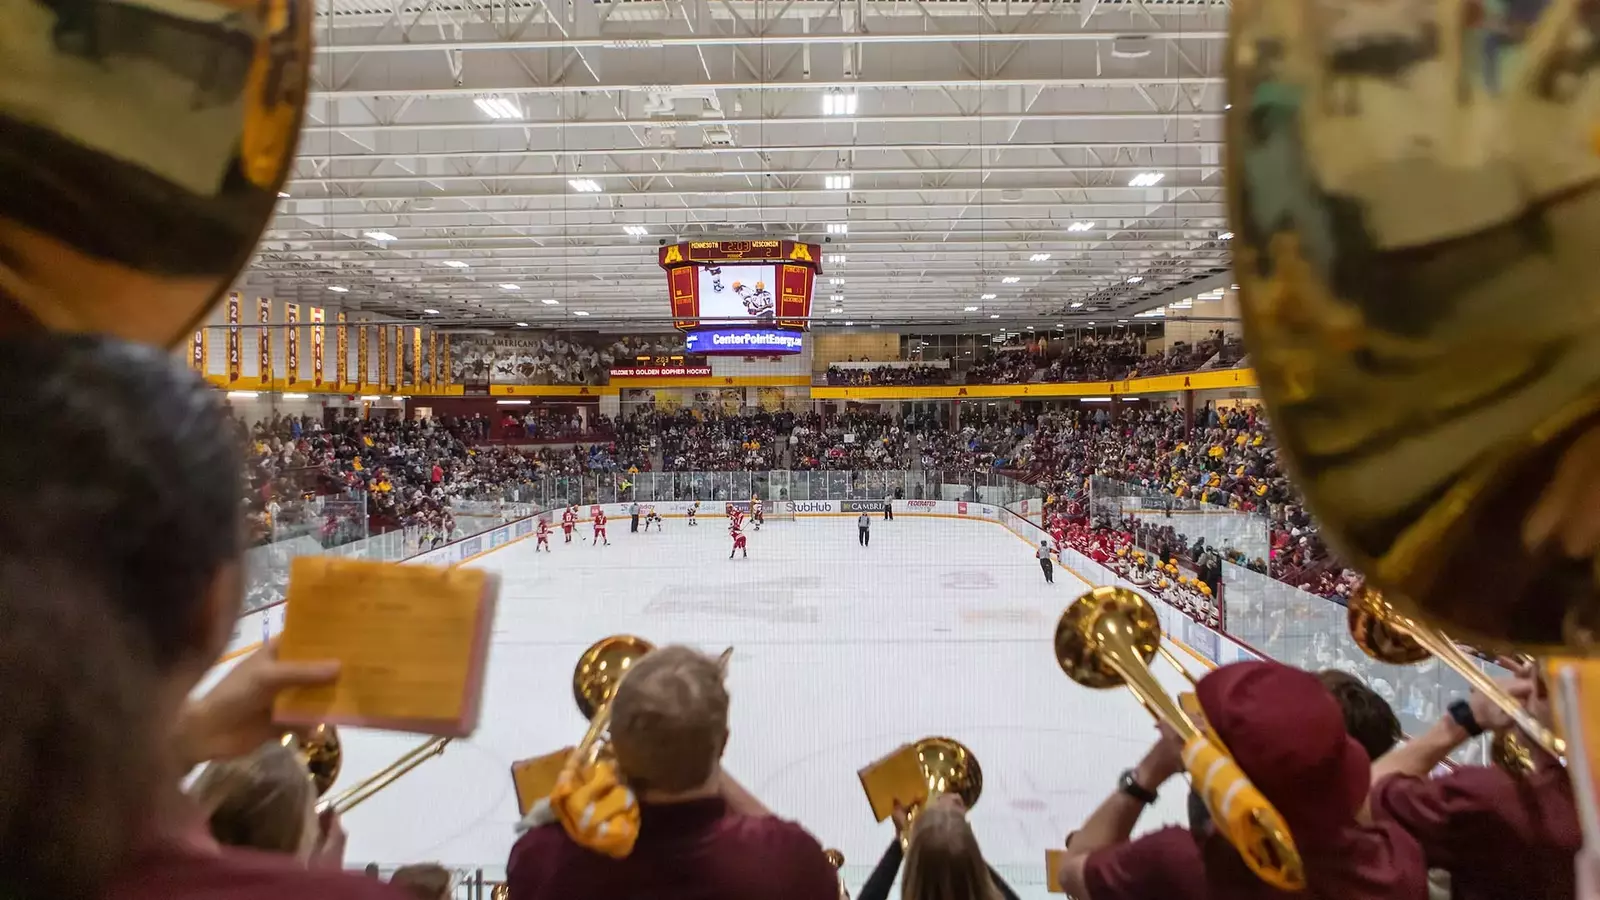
<point x="669" y="720"/>
<point x="263" y="801"/>
<point x="944" y="861"/>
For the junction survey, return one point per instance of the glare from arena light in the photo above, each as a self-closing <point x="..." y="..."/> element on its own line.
<point x="297" y="396"/>
<point x="838" y="228"/>
<point x="338" y="289"/>
<point x="242" y="395"/>
<point x="1225" y="236"/>
<point x="507" y="286"/>
<point x="498" y="108"/>
<point x="836" y="182"/>
<point x="1080" y="226"/>
<point x="282" y="194"/>
<point x="986" y="297"/>
<point x="584" y="185"/>
<point x="1146" y="179"/>
<point x="550" y="301"/>
<point x="1010" y="279"/>
<point x="1039" y="257"/>
<point x="838" y="103"/>
<point x="1135" y="279"/>
<point x="455" y="264"/>
<point x="430" y="312"/>
<point x="636" y="230"/>
<point x="380" y="236"/>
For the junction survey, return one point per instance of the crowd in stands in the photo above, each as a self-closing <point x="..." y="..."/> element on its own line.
<point x="839" y="376"/>
<point x="1100" y="358"/>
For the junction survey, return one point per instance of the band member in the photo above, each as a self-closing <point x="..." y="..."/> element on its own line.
<point x="694" y="508"/>
<point x="1497" y="834"/>
<point x="569" y="521"/>
<point x="738" y="539"/>
<point x="1043" y="555"/>
<point x="599" y="528"/>
<point x="944" y="859"/>
<point x="543" y="535"/>
<point x="700" y="833"/>
<point x="1287" y="734"/>
<point x="756" y="512"/>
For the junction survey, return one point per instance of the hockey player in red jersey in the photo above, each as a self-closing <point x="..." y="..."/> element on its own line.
<point x="569" y="521"/>
<point x="543" y="534"/>
<point x="600" y="529"/>
<point x="735" y="516"/>
<point x="738" y="539"/>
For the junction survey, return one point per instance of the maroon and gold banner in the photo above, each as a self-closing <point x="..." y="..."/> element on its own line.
<point x="433" y="359"/>
<point x="361" y="356"/>
<point x="233" y="337"/>
<point x="341" y="347"/>
<point x="416" y="356"/>
<point x="316" y="345"/>
<point x="264" y="341"/>
<point x="394" y="380"/>
<point x="383" y="356"/>
<point x="197" y="351"/>
<point x="291" y="343"/>
<point x="444" y="363"/>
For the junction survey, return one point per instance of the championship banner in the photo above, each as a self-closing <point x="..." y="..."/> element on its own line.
<point x="383" y="356"/>
<point x="291" y="345"/>
<point x="341" y="347"/>
<point x="317" y="338"/>
<point x="433" y="360"/>
<point x="444" y="363"/>
<point x="399" y="344"/>
<point x="264" y="341"/>
<point x="197" y="351"/>
<point x="416" y="356"/>
<point x="233" y="337"/>
<point x="361" y="356"/>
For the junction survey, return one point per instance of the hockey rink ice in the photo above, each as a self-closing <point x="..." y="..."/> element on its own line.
<point x="841" y="653"/>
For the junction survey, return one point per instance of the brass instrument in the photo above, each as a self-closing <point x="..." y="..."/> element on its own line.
<point x="836" y="859"/>
<point x="1419" y="304"/>
<point x="948" y="767"/>
<point x="1107" y="638"/>
<point x="1387" y="635"/>
<point x="323" y="756"/>
<point x="594" y="684"/>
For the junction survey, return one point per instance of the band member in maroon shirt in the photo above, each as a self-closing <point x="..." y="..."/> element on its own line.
<point x="701" y="835"/>
<point x="120" y="583"/>
<point x="1497" y="834"/>
<point x="1288" y="736"/>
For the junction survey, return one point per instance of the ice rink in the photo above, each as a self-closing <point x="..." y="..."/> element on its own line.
<point x="842" y="653"/>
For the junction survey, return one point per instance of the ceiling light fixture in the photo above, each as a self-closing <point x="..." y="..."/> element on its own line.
<point x="1010" y="279"/>
<point x="1077" y="304"/>
<point x="510" y="287"/>
<point x="1135" y="279"/>
<point x="835" y="259"/>
<point x="838" y="228"/>
<point x="836" y="310"/>
<point x="1146" y="179"/>
<point x="522" y="324"/>
<point x="297" y="396"/>
<point x="836" y="281"/>
<point x="636" y="230"/>
<point x="836" y="182"/>
<point x="837" y="298"/>
<point x="1225" y="236"/>
<point x="1039" y="257"/>
<point x="994" y="315"/>
<point x="579" y="312"/>
<point x="971" y="309"/>
<point x="338" y="289"/>
<point x="282" y="194"/>
<point x="455" y="264"/>
<point x="584" y="185"/>
<point x="849" y="323"/>
<point x="431" y="312"/>
<point x="242" y="395"/>
<point x="1080" y="226"/>
<point x="839" y="103"/>
<point x="986" y="297"/>
<point x="381" y="236"/>
<point x="498" y="108"/>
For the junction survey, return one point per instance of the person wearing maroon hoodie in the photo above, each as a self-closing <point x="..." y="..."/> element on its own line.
<point x="120" y="583"/>
<point x="1288" y="735"/>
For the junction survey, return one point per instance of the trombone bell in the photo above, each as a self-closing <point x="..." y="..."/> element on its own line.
<point x="320" y="752"/>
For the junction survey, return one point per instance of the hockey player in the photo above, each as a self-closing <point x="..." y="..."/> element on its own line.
<point x="693" y="509"/>
<point x="543" y="534"/>
<point x="738" y="539"/>
<point x="600" y="529"/>
<point x="756" y="510"/>
<point x="569" y="521"/>
<point x="651" y="517"/>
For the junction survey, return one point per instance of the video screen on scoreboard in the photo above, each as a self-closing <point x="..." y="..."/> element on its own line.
<point x="743" y="294"/>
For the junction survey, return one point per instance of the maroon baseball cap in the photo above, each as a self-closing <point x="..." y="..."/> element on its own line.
<point x="1288" y="735"/>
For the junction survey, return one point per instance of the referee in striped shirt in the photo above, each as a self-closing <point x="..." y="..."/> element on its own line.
<point x="1043" y="555"/>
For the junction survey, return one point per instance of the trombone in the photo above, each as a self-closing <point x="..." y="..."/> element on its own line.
<point x="1108" y="637"/>
<point x="322" y="754"/>
<point x="1387" y="635"/>
<point x="594" y="684"/>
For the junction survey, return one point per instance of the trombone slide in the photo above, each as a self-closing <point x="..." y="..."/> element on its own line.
<point x="359" y="793"/>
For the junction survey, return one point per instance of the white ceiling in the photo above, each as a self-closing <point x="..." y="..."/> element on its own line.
<point x="983" y="131"/>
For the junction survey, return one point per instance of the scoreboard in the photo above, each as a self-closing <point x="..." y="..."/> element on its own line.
<point x="758" y="283"/>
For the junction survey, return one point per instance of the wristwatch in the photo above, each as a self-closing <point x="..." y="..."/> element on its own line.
<point x="1461" y="712"/>
<point x="1131" y="786"/>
